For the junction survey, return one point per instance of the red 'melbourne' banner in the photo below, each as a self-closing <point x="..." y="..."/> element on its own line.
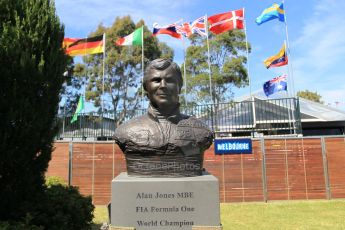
<point x="220" y="23"/>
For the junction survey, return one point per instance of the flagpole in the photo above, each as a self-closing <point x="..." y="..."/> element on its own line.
<point x="184" y="63"/>
<point x="83" y="113"/>
<point x="288" y="51"/>
<point x="142" y="65"/>
<point x="103" y="73"/>
<point x="208" y="58"/>
<point x="289" y="80"/>
<point x="289" y="109"/>
<point x="184" y="72"/>
<point x="292" y="110"/>
<point x="64" y="117"/>
<point x="84" y="85"/>
<point x="247" y="50"/>
<point x="250" y="83"/>
<point x="102" y="99"/>
<point x="213" y="122"/>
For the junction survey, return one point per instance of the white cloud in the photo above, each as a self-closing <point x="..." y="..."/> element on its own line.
<point x="321" y="43"/>
<point x="85" y="15"/>
<point x="318" y="54"/>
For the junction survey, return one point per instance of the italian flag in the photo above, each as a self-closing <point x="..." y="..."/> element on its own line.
<point x="135" y="38"/>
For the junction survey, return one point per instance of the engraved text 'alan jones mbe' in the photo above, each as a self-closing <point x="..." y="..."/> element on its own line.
<point x="163" y="142"/>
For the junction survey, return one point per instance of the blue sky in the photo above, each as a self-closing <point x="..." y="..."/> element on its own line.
<point x="316" y="31"/>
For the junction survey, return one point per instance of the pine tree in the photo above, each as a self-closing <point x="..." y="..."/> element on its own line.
<point x="32" y="63"/>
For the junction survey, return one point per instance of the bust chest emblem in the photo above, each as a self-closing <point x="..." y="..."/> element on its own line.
<point x="140" y="137"/>
<point x="184" y="133"/>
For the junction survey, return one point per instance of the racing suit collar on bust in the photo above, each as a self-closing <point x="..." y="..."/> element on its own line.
<point x="156" y="115"/>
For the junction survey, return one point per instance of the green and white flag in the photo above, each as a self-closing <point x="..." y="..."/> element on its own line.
<point x="135" y="38"/>
<point x="80" y="107"/>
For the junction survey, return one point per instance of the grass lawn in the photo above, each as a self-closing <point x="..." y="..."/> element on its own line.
<point x="312" y="214"/>
<point x="285" y="215"/>
<point x="100" y="216"/>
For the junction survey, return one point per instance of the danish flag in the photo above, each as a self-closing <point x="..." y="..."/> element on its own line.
<point x="220" y="23"/>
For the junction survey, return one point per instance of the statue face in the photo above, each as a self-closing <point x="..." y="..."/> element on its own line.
<point x="163" y="88"/>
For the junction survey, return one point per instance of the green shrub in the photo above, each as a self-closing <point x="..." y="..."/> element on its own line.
<point x="64" y="208"/>
<point x="60" y="207"/>
<point x="55" y="180"/>
<point x="20" y="225"/>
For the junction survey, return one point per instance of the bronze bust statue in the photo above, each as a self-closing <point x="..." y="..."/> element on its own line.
<point x="163" y="142"/>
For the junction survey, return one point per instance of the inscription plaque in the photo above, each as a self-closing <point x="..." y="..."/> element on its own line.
<point x="165" y="203"/>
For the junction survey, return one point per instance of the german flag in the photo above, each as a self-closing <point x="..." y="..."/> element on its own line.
<point x="68" y="41"/>
<point x="86" y="46"/>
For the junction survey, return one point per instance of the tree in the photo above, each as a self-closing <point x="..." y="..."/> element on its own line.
<point x="227" y="59"/>
<point x="123" y="72"/>
<point x="32" y="63"/>
<point x="312" y="96"/>
<point x="70" y="91"/>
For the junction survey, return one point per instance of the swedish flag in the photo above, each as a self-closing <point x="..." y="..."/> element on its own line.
<point x="273" y="12"/>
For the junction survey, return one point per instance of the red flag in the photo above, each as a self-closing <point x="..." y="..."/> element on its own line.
<point x="220" y="23"/>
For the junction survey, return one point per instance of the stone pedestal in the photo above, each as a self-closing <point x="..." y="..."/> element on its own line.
<point x="165" y="203"/>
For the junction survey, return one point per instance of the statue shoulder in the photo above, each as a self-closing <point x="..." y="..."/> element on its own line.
<point x="202" y="133"/>
<point x="200" y="129"/>
<point x="193" y="122"/>
<point x="124" y="131"/>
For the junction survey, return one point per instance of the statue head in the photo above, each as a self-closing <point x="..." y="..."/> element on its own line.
<point x="163" y="142"/>
<point x="162" y="83"/>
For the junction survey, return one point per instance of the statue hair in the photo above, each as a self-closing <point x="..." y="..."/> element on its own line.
<point x="162" y="64"/>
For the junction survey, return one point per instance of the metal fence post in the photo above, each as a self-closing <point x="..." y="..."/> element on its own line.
<point x="296" y="118"/>
<point x="70" y="162"/>
<point x="254" y="116"/>
<point x="287" y="171"/>
<point x="113" y="165"/>
<point x="93" y="171"/>
<point x="212" y="121"/>
<point x="102" y="126"/>
<point x="264" y="179"/>
<point x="325" y="168"/>
<point x="305" y="171"/>
<point x="223" y="179"/>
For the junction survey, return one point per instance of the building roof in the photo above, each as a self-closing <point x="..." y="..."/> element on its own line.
<point x="310" y="111"/>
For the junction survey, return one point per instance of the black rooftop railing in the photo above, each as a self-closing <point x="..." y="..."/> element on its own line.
<point x="251" y="118"/>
